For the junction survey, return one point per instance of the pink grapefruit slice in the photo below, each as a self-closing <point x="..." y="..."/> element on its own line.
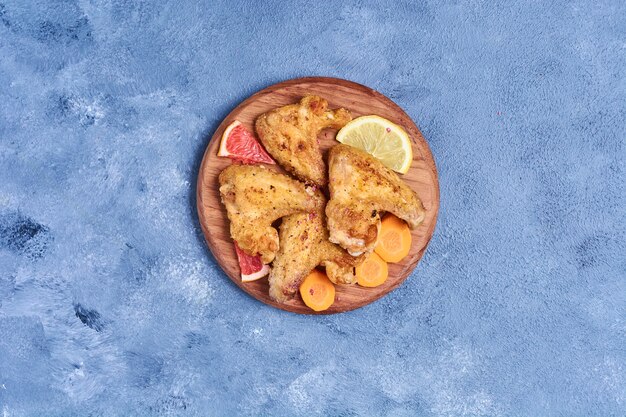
<point x="240" y="144"/>
<point x="251" y="266"/>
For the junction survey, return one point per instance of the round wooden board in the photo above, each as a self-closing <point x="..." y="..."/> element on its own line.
<point x="360" y="100"/>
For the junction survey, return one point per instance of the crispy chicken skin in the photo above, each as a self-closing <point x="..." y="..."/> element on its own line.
<point x="254" y="198"/>
<point x="360" y="188"/>
<point x="303" y="246"/>
<point x="289" y="134"/>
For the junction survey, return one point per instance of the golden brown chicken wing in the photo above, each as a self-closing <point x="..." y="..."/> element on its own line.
<point x="360" y="188"/>
<point x="303" y="246"/>
<point x="254" y="198"/>
<point x="289" y="134"/>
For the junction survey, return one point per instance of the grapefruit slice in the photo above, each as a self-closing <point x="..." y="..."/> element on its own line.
<point x="240" y="144"/>
<point x="251" y="266"/>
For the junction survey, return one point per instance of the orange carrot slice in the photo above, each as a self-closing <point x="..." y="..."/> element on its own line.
<point x="317" y="292"/>
<point x="394" y="239"/>
<point x="372" y="272"/>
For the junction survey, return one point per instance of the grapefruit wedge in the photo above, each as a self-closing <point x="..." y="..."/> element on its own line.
<point x="239" y="143"/>
<point x="251" y="266"/>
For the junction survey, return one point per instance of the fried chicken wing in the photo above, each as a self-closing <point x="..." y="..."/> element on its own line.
<point x="289" y="134"/>
<point x="254" y="198"/>
<point x="360" y="188"/>
<point x="303" y="246"/>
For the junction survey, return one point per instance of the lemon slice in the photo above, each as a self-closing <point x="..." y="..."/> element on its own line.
<point x="384" y="140"/>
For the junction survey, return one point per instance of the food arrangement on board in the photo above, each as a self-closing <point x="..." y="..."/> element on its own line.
<point x="321" y="224"/>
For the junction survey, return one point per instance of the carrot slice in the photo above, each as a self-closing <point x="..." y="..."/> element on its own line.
<point x="372" y="272"/>
<point x="317" y="292"/>
<point x="394" y="239"/>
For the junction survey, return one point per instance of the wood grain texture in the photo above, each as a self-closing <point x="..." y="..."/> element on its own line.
<point x="360" y="100"/>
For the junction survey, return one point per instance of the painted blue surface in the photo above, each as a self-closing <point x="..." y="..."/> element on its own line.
<point x="110" y="303"/>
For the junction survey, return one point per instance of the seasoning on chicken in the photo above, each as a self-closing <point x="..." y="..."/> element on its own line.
<point x="303" y="246"/>
<point x="289" y="134"/>
<point x="254" y="198"/>
<point x="361" y="187"/>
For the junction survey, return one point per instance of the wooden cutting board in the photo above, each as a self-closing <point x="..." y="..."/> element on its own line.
<point x="360" y="100"/>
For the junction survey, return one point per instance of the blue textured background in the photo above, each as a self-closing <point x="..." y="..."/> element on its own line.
<point x="110" y="303"/>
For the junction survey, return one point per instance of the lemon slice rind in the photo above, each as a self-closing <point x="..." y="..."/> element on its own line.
<point x="381" y="138"/>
